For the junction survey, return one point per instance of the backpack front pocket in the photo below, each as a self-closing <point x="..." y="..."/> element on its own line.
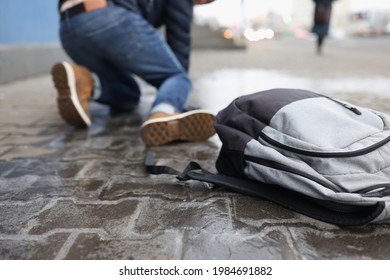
<point x="321" y="127"/>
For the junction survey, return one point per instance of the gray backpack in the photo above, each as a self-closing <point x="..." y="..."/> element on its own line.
<point x="315" y="155"/>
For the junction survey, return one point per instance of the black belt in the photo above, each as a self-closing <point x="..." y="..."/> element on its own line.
<point x="74" y="11"/>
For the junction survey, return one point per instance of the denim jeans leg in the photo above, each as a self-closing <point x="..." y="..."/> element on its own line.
<point x="174" y="91"/>
<point x="116" y="43"/>
<point x="119" y="95"/>
<point x="143" y="51"/>
<point x="81" y="40"/>
<point x="158" y="65"/>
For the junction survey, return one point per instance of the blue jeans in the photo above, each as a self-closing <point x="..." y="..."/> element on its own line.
<point x="116" y="44"/>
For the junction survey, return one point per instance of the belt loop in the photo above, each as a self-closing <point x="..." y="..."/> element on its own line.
<point x="64" y="15"/>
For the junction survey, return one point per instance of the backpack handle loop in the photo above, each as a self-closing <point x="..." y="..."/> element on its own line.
<point x="163" y="169"/>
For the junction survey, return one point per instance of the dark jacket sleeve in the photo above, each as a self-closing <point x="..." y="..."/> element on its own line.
<point x="178" y="21"/>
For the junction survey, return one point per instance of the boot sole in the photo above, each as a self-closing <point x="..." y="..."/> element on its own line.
<point x="197" y="125"/>
<point x="68" y="102"/>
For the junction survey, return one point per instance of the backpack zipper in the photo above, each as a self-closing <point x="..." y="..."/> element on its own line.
<point x="282" y="167"/>
<point x="380" y="190"/>
<point x="345" y="105"/>
<point x="360" y="152"/>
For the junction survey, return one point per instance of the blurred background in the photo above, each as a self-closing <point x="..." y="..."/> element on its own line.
<point x="256" y="20"/>
<point x="29" y="40"/>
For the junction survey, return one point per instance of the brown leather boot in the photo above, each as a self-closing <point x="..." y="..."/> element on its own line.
<point x="162" y="128"/>
<point x="74" y="85"/>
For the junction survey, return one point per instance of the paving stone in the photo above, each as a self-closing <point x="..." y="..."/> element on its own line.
<point x="25" y="117"/>
<point x="21" y="188"/>
<point x="162" y="246"/>
<point x="28" y="187"/>
<point x="66" y="214"/>
<point x="125" y="186"/>
<point x="42" y="166"/>
<point x="156" y="214"/>
<point x="252" y="209"/>
<point x="7" y="166"/>
<point x="27" y="140"/>
<point x="27" y="248"/>
<point x="4" y="150"/>
<point x="271" y="243"/>
<point x="15" y="217"/>
<point x="22" y="152"/>
<point x="178" y="155"/>
<point x="85" y="154"/>
<point x="86" y="189"/>
<point x="342" y="244"/>
<point x="109" y="169"/>
<point x="6" y="130"/>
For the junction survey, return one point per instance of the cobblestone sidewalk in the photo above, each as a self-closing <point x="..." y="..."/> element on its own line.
<point x="84" y="194"/>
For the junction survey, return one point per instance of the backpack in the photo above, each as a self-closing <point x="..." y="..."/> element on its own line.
<point x="318" y="156"/>
<point x="322" y="13"/>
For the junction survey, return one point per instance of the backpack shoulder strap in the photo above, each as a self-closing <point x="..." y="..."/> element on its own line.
<point x="327" y="211"/>
<point x="163" y="169"/>
<point x="194" y="171"/>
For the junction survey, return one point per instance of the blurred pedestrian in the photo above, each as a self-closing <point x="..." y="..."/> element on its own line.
<point x="322" y="13"/>
<point x="111" y="41"/>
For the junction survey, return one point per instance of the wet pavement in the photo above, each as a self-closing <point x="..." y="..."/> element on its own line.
<point x="68" y="193"/>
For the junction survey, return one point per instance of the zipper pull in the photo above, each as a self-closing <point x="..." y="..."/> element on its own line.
<point x="353" y="109"/>
<point x="349" y="107"/>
